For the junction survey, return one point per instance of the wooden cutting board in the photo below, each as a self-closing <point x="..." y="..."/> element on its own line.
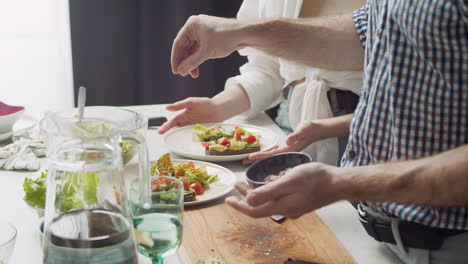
<point x="220" y="231"/>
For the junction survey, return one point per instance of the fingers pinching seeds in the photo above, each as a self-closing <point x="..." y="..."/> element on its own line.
<point x="243" y="188"/>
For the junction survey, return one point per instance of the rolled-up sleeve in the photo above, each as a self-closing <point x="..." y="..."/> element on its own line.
<point x="261" y="80"/>
<point x="360" y="18"/>
<point x="260" y="76"/>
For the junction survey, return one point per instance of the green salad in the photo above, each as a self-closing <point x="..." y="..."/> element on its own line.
<point x="76" y="190"/>
<point x="92" y="129"/>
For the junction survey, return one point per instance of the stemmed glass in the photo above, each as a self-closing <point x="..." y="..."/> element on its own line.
<point x="158" y="230"/>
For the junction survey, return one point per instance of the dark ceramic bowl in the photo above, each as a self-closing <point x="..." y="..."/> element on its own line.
<point x="257" y="172"/>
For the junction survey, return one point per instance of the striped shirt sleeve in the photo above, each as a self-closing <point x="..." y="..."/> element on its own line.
<point x="360" y="22"/>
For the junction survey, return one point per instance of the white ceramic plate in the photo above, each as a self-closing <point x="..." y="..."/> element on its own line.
<point x="180" y="142"/>
<point x="219" y="188"/>
<point x="26" y="121"/>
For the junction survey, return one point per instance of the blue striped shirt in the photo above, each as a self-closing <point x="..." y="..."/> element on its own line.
<point x="414" y="102"/>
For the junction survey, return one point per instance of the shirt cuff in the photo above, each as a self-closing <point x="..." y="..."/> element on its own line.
<point x="360" y="18"/>
<point x="259" y="101"/>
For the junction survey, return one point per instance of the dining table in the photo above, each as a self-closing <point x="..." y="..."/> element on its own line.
<point x="337" y="222"/>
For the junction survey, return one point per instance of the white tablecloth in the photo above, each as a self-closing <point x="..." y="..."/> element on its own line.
<point x="340" y="217"/>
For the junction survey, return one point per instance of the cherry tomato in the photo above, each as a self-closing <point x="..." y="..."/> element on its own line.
<point x="186" y="185"/>
<point x="237" y="136"/>
<point x="206" y="145"/>
<point x="191" y="164"/>
<point x="180" y="172"/>
<point x="157" y="182"/>
<point x="155" y="185"/>
<point x="224" y="142"/>
<point x="250" y="139"/>
<point x="197" y="187"/>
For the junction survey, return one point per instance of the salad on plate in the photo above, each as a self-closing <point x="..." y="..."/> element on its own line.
<point x="217" y="141"/>
<point x="196" y="180"/>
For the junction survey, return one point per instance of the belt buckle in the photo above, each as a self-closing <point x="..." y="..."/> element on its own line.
<point x="361" y="212"/>
<point x="369" y="221"/>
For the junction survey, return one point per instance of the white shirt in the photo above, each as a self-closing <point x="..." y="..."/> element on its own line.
<point x="263" y="77"/>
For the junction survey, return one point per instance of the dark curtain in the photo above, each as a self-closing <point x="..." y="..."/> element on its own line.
<point x="121" y="50"/>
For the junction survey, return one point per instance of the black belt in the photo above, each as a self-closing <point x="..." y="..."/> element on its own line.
<point x="342" y="100"/>
<point x="413" y="235"/>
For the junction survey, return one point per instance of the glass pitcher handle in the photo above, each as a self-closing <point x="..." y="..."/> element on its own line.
<point x="144" y="168"/>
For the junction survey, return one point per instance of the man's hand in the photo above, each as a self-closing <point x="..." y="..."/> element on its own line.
<point x="303" y="189"/>
<point x="437" y="181"/>
<point x="306" y="133"/>
<point x="196" y="110"/>
<point x="202" y="38"/>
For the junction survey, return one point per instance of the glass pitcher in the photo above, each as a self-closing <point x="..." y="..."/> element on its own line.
<point x="87" y="219"/>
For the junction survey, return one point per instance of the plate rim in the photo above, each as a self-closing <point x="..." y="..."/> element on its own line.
<point x="26" y="114"/>
<point x="198" y="202"/>
<point x="214" y="158"/>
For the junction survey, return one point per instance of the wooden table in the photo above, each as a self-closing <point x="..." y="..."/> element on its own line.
<point x="215" y="229"/>
<point x="200" y="224"/>
<point x="220" y="231"/>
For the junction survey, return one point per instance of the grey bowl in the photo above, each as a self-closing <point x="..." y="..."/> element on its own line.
<point x="257" y="172"/>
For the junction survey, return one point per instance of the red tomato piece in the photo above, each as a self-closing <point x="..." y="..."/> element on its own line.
<point x="154" y="185"/>
<point x="180" y="173"/>
<point x="224" y="142"/>
<point x="191" y="164"/>
<point x="237" y="136"/>
<point x="186" y="185"/>
<point x="197" y="187"/>
<point x="250" y="139"/>
<point x="206" y="145"/>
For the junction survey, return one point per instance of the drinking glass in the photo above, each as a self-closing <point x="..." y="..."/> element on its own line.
<point x="158" y="229"/>
<point x="7" y="241"/>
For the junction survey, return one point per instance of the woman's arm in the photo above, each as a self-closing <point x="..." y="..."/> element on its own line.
<point x="230" y="102"/>
<point x="307" y="133"/>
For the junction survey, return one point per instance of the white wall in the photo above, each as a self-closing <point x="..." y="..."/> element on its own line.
<point x="35" y="54"/>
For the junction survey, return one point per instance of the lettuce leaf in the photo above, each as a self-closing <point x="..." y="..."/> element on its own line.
<point x="77" y="190"/>
<point x="35" y="191"/>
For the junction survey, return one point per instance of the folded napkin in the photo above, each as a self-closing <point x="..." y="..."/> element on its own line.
<point x="24" y="152"/>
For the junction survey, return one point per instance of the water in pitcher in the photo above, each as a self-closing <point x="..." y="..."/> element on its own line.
<point x="90" y="236"/>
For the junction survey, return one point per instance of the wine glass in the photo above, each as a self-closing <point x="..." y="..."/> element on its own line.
<point x="158" y="229"/>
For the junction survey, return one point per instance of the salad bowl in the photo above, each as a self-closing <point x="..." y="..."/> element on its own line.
<point x="8" y="116"/>
<point x="124" y="119"/>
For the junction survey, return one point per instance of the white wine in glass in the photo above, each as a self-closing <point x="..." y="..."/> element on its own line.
<point x="158" y="230"/>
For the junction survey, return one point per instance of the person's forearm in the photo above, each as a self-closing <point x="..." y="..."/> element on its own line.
<point x="233" y="100"/>
<point x="325" y="42"/>
<point x="440" y="180"/>
<point x="333" y="127"/>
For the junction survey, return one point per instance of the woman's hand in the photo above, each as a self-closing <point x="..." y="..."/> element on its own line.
<point x="307" y="132"/>
<point x="301" y="190"/>
<point x="195" y="110"/>
<point x="228" y="103"/>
